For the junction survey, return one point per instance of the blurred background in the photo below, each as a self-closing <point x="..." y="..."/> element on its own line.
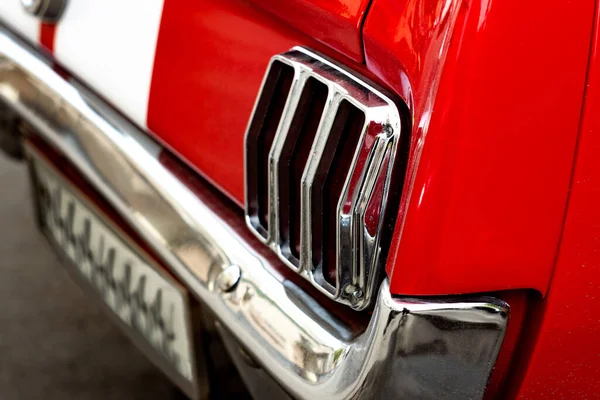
<point x="54" y="342"/>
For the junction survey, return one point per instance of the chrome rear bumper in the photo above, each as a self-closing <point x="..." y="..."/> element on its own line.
<point x="414" y="348"/>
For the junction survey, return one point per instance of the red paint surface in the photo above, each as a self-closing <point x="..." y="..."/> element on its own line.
<point x="47" y="34"/>
<point x="565" y="358"/>
<point x="493" y="145"/>
<point x="498" y="380"/>
<point x="493" y="148"/>
<point x="336" y="23"/>
<point x="209" y="64"/>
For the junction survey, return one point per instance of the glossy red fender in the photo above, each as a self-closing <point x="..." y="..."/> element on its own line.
<point x="209" y="64"/>
<point x="564" y="358"/>
<point x="496" y="89"/>
<point x="334" y="23"/>
<point x="205" y="81"/>
<point x="495" y="109"/>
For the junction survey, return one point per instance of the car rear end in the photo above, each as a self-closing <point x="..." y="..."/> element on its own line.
<point x="317" y="186"/>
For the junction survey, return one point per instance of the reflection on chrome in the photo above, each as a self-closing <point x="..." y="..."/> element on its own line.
<point x="412" y="348"/>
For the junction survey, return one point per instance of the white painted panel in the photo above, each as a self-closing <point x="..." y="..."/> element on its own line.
<point x="110" y="45"/>
<point x="13" y="14"/>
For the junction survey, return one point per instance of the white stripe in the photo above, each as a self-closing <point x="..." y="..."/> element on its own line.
<point x="14" y="15"/>
<point x="110" y="45"/>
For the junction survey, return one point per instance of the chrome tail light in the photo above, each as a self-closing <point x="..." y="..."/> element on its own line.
<point x="323" y="173"/>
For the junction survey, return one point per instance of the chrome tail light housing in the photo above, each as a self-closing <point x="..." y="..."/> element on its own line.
<point x="324" y="173"/>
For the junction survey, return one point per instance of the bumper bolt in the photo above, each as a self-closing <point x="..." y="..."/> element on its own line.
<point x="228" y="278"/>
<point x="354" y="294"/>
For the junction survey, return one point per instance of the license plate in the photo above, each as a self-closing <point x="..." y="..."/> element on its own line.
<point x="148" y="303"/>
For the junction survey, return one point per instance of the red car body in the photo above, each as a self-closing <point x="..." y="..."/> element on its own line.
<point x="502" y="190"/>
<point x="502" y="143"/>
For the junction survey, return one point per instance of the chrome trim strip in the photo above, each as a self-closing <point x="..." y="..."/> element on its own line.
<point x="411" y="348"/>
<point x="313" y="273"/>
<point x="287" y="116"/>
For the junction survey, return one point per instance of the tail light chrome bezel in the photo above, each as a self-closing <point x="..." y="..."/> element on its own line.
<point x="364" y="198"/>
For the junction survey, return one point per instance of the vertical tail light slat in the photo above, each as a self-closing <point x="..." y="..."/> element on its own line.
<point x="321" y="151"/>
<point x="292" y="161"/>
<point x="261" y="132"/>
<point x="369" y="214"/>
<point x="329" y="183"/>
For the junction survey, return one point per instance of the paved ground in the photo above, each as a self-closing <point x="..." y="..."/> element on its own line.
<point x="53" y="343"/>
